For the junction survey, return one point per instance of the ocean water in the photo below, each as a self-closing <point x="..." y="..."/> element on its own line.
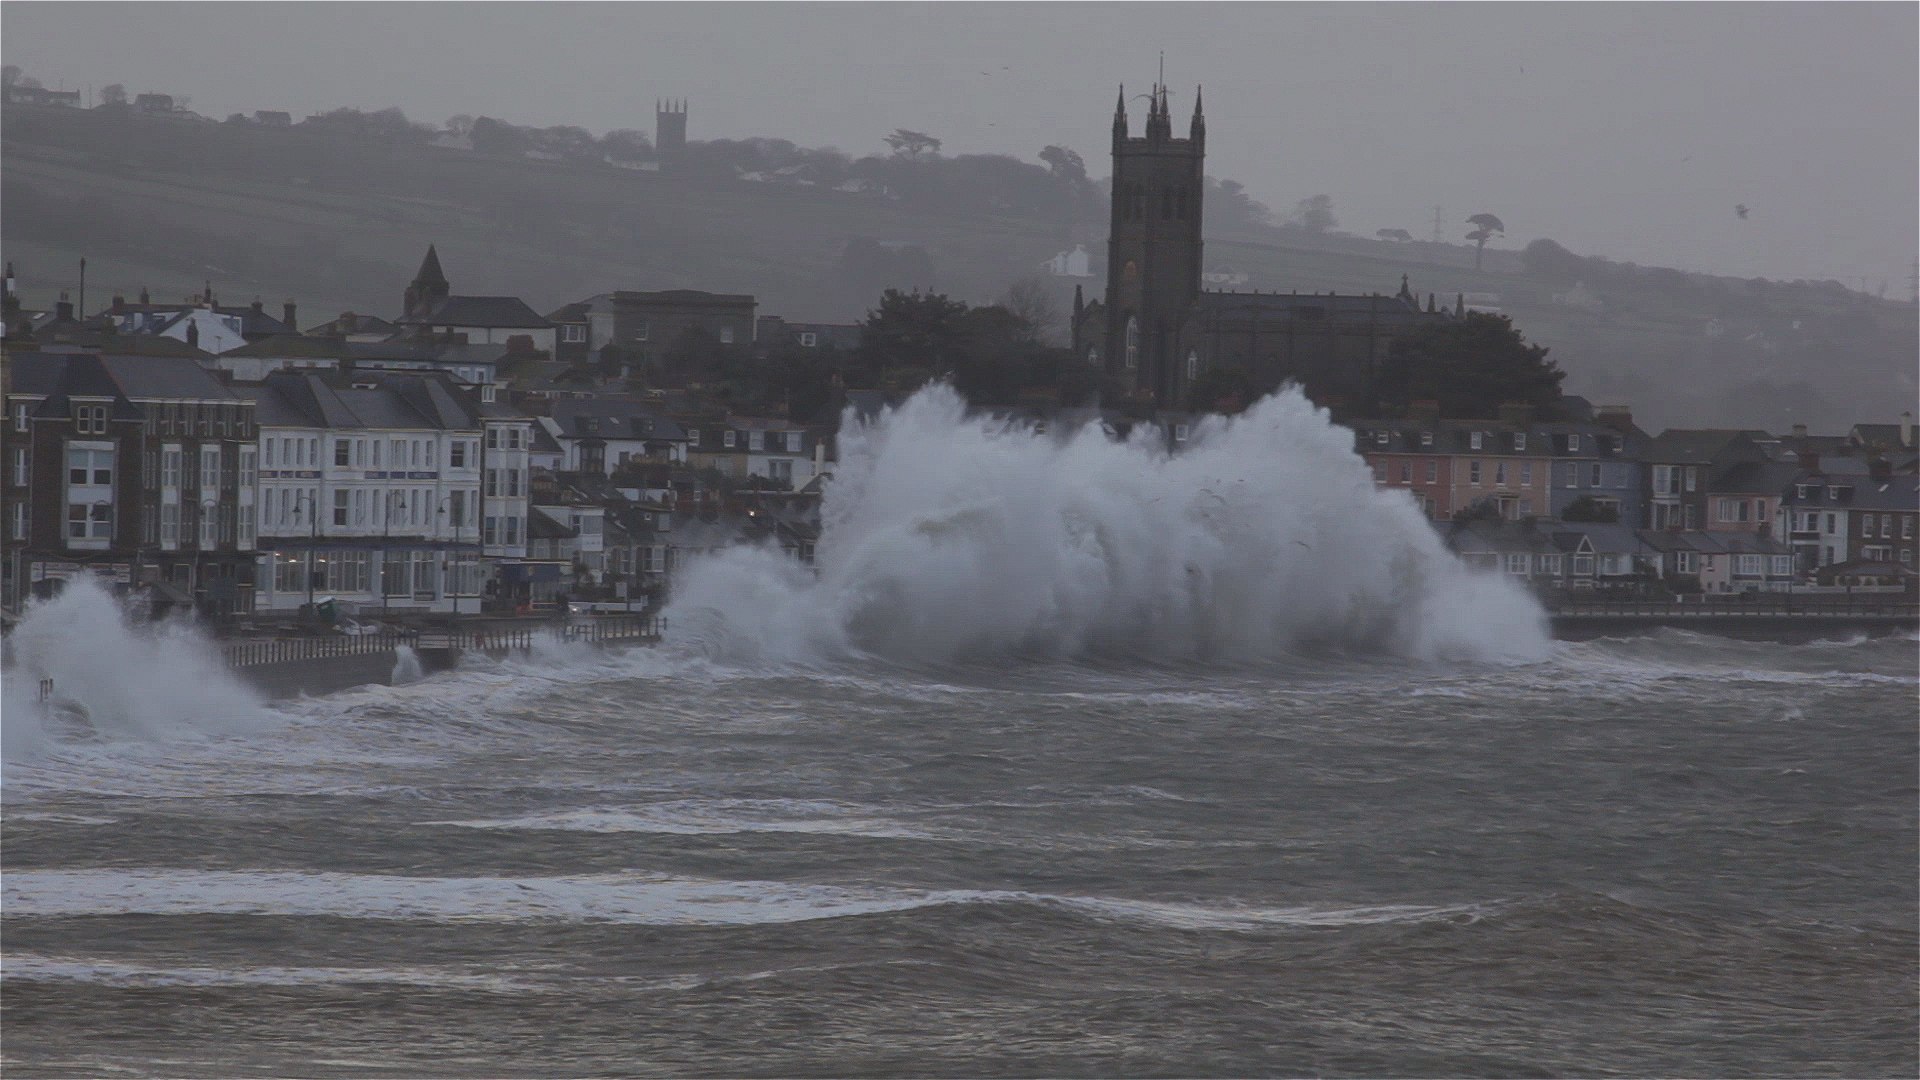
<point x="1036" y="777"/>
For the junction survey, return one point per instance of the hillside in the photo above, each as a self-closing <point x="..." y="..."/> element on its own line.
<point x="338" y="223"/>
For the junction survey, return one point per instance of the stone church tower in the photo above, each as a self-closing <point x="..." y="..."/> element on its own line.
<point x="428" y="287"/>
<point x="670" y="126"/>
<point x="1153" y="246"/>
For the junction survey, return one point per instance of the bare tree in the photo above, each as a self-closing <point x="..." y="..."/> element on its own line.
<point x="1487" y="226"/>
<point x="1033" y="306"/>
<point x="912" y="143"/>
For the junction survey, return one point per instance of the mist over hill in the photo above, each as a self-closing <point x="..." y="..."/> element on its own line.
<point x="334" y="214"/>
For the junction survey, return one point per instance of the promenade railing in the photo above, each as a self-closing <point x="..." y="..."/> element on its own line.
<point x="601" y="629"/>
<point x="1768" y="604"/>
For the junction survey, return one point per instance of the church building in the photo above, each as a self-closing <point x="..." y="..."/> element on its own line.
<point x="1157" y="329"/>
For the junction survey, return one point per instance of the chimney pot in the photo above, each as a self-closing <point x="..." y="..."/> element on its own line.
<point x="1799" y="431"/>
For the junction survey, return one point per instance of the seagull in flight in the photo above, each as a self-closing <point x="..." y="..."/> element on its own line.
<point x="1741" y="209"/>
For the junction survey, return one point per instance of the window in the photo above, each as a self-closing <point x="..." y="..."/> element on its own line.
<point x="1803" y="492"/>
<point x="1593" y="474"/>
<point x="1886" y="526"/>
<point x="1406" y="472"/>
<point x="808" y="340"/>
<point x="1748" y="565"/>
<point x="1686" y="562"/>
<point x="431" y="452"/>
<point x="1693" y="517"/>
<point x="493" y="438"/>
<point x="1906" y="527"/>
<point x="1380" y="437"/>
<point x="396" y="573"/>
<point x="1517" y="564"/>
<point x="20" y="416"/>
<point x="342" y="505"/>
<point x="1193" y="365"/>
<point x="359" y="506"/>
<point x="1433" y="471"/>
<point x="1833" y="524"/>
<point x="209" y="526"/>
<point x="169" y="524"/>
<point x="249" y="476"/>
<point x="1573" y="444"/>
<point x="1473" y="473"/>
<point x="1906" y="556"/>
<point x="90" y="419"/>
<point x="573" y="333"/>
<point x="756" y="441"/>
<point x="21" y="473"/>
<point x="1693" y="477"/>
<point x="290" y="571"/>
<point x="1550" y="564"/>
<point x="1474" y="440"/>
<point x="513" y="529"/>
<point x="727" y="438"/>
<point x="513" y="438"/>
<point x="1132" y="354"/>
<point x="726" y="335"/>
<point x="493" y="482"/>
<point x="1583" y="565"/>
<point x="1519" y="440"/>
<point x="513" y="483"/>
<point x="780" y="469"/>
<point x="1726" y="509"/>
<point x="209" y="469"/>
<point x="693" y="436"/>
<point x="457" y="454"/>
<point x="1426" y="438"/>
<point x="88" y="467"/>
<point x="1867" y="522"/>
<point x="1526" y="474"/>
<point x="457" y="509"/>
<point x="1782" y="565"/>
<point x="640" y="332"/>
<point x="1379" y="472"/>
<point x="1500" y="473"/>
<point x="1180" y="432"/>
<point x="17" y="522"/>
<point x="490" y="531"/>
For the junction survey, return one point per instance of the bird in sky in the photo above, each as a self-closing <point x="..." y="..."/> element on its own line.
<point x="1741" y="209"/>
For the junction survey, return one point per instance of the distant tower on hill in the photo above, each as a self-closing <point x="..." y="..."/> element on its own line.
<point x="429" y="286"/>
<point x="670" y="126"/>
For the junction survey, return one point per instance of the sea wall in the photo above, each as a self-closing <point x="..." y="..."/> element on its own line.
<point x="320" y="675"/>
<point x="1792" y="629"/>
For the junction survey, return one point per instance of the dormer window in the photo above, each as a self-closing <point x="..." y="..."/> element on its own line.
<point x="1573" y="444"/>
<point x="1426" y="438"/>
<point x="1474" y="440"/>
<point x="726" y="335"/>
<point x="1803" y="491"/>
<point x="1180" y="433"/>
<point x="1380" y="437"/>
<point x="1519" y="440"/>
<point x="727" y="438"/>
<point x="573" y="333"/>
<point x="808" y="340"/>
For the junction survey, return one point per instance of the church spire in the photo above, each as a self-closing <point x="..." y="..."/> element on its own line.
<point x="429" y="286"/>
<point x="1120" y="116"/>
<point x="1198" y="130"/>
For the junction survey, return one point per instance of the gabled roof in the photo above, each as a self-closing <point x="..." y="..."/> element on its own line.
<point x="505" y="312"/>
<point x="1756" y="478"/>
<point x="1679" y="446"/>
<point x="613" y="420"/>
<point x="293" y="345"/>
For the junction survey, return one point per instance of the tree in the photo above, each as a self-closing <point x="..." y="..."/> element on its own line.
<point x="1471" y="366"/>
<point x="1487" y="226"/>
<point x="1065" y="164"/>
<point x="913" y="330"/>
<point x="1228" y="206"/>
<point x="1315" y="214"/>
<point x="1587" y="509"/>
<point x="625" y="145"/>
<point x="113" y="94"/>
<point x="1398" y="236"/>
<point x="460" y="125"/>
<point x="9" y="76"/>
<point x="912" y="143"/>
<point x="1031" y="304"/>
<point x="1549" y="260"/>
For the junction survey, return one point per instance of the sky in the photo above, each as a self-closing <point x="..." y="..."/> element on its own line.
<point x="1629" y="131"/>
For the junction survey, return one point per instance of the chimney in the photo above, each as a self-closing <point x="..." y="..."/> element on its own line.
<point x="258" y="307"/>
<point x="63" y="309"/>
<point x="1516" y="413"/>
<point x="286" y="316"/>
<point x="1424" y="411"/>
<point x="143" y="296"/>
<point x="1808" y="460"/>
<point x="1879" y="470"/>
<point x="119" y="302"/>
<point x="1617" y="417"/>
<point x="1799" y="431"/>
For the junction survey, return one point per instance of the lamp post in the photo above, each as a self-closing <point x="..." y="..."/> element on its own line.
<point x="313" y="536"/>
<point x="396" y="500"/>
<point x="446" y="563"/>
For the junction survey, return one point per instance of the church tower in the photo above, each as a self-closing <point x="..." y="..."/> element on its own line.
<point x="428" y="288"/>
<point x="670" y="126"/>
<point x="1153" y="246"/>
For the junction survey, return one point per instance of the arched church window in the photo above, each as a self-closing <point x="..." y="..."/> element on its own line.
<point x="1133" y="340"/>
<point x="1130" y="272"/>
<point x="1193" y="364"/>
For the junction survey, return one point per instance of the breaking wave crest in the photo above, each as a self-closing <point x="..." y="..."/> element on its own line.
<point x="950" y="538"/>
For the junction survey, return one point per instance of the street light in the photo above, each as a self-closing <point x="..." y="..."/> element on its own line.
<point x="313" y="536"/>
<point x="396" y="500"/>
<point x="446" y="562"/>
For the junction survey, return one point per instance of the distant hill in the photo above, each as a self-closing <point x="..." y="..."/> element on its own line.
<point x="337" y="222"/>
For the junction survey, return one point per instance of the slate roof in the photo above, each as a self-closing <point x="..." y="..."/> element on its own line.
<point x="613" y="420"/>
<point x="506" y="312"/>
<point x="1756" y="478"/>
<point x="293" y="345"/>
<point x="1693" y="447"/>
<point x="404" y="402"/>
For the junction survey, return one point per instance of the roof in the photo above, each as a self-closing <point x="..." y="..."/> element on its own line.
<point x="1700" y="447"/>
<point x="600" y="419"/>
<point x="403" y="402"/>
<point x="506" y="312"/>
<point x="349" y="323"/>
<point x="292" y="345"/>
<point x="1304" y="307"/>
<point x="683" y="297"/>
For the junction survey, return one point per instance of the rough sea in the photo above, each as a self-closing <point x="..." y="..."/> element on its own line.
<point x="1176" y="827"/>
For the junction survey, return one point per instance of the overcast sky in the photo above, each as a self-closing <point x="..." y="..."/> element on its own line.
<point x="1623" y="130"/>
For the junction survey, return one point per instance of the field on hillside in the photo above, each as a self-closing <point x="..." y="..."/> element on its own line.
<point x="338" y="224"/>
